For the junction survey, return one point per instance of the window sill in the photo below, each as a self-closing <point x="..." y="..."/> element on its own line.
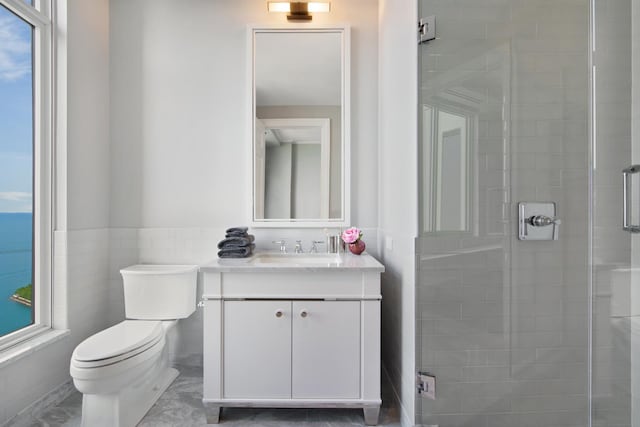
<point x="31" y="345"/>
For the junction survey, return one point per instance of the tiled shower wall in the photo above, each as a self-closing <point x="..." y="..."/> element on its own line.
<point x="503" y="323"/>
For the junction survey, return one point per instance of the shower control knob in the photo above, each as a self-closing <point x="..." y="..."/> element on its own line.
<point x="542" y="221"/>
<point x="535" y="219"/>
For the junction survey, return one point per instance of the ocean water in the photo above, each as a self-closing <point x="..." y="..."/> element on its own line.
<point x="15" y="268"/>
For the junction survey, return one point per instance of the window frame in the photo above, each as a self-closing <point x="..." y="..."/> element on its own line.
<point x="39" y="17"/>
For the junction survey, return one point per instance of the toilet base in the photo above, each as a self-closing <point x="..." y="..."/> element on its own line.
<point x="128" y="407"/>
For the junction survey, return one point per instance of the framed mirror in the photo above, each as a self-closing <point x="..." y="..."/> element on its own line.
<point x="300" y="127"/>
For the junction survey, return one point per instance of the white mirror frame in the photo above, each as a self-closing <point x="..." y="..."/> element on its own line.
<point x="345" y="170"/>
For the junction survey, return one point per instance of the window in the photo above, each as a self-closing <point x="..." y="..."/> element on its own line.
<point x="25" y="169"/>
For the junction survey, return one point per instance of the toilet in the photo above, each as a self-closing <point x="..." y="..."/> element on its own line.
<point x="122" y="371"/>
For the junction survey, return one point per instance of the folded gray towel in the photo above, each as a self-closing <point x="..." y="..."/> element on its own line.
<point x="236" y="252"/>
<point x="241" y="229"/>
<point x="236" y="231"/>
<point x="236" y="242"/>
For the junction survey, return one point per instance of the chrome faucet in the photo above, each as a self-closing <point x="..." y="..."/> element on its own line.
<point x="314" y="246"/>
<point x="283" y="245"/>
<point x="298" y="248"/>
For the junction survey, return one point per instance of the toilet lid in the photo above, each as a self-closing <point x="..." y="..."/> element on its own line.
<point x="117" y="340"/>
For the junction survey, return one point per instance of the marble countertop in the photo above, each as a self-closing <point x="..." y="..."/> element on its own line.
<point x="274" y="262"/>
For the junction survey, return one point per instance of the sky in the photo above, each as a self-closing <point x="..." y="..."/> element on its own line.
<point x="16" y="114"/>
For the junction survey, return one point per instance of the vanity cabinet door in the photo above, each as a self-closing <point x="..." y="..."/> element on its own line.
<point x="257" y="349"/>
<point x="326" y="350"/>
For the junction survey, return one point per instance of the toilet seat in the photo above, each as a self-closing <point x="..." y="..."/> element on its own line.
<point x="117" y="343"/>
<point x="130" y="366"/>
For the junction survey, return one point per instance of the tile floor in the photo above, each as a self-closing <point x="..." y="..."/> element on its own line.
<point x="181" y="405"/>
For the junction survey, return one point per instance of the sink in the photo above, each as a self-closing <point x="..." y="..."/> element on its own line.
<point x="297" y="259"/>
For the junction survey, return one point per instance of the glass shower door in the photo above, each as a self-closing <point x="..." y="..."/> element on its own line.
<point x="503" y="323"/>
<point x="616" y="256"/>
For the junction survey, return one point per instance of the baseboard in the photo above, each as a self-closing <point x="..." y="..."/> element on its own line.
<point x="405" y="419"/>
<point x="27" y="415"/>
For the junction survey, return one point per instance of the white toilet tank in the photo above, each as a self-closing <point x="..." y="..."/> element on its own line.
<point x="159" y="292"/>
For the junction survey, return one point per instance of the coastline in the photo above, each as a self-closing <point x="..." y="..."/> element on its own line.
<point x="20" y="300"/>
<point x="16" y="269"/>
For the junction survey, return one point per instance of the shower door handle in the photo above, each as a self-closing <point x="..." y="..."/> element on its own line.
<point x="626" y="199"/>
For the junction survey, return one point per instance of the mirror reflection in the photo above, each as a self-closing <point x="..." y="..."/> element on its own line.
<point x="298" y="143"/>
<point x="448" y="187"/>
<point x="294" y="155"/>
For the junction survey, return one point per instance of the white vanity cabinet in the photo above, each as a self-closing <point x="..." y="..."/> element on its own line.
<point x="287" y="335"/>
<point x="256" y="335"/>
<point x="325" y="362"/>
<point x="311" y="349"/>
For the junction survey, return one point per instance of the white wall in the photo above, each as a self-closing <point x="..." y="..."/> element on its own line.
<point x="81" y="235"/>
<point x="88" y="135"/>
<point x="398" y="193"/>
<point x="88" y="115"/>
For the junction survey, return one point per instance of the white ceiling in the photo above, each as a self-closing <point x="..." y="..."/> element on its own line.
<point x="298" y="69"/>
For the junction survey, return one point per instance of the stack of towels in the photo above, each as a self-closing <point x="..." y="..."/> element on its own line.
<point x="236" y="244"/>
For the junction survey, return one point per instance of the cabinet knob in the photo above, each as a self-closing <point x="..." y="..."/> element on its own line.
<point x="279" y="313"/>
<point x="304" y="313"/>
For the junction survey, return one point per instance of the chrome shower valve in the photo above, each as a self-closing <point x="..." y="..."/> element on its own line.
<point x="538" y="221"/>
<point x="543" y="221"/>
